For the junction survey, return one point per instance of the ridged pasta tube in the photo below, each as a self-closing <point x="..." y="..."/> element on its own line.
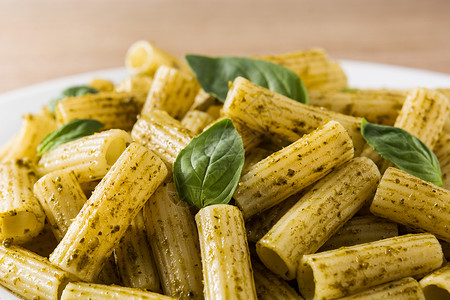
<point x="21" y="215"/>
<point x="359" y="230"/>
<point x="437" y="284"/>
<point x="61" y="197"/>
<point x="112" y="109"/>
<point x="88" y="291"/>
<point x="203" y="101"/>
<point x="274" y="114"/>
<point x="227" y="271"/>
<point x="269" y="286"/>
<point x="408" y="200"/>
<point x="196" y="121"/>
<point x="293" y="168"/>
<point x="317" y="216"/>
<point x="102" y="85"/>
<point x="29" y="275"/>
<point x="174" y="241"/>
<point x="313" y="67"/>
<point x="106" y="215"/>
<point x="404" y="289"/>
<point x="376" y="106"/>
<point x="89" y="157"/>
<point x="134" y="258"/>
<point x="341" y="272"/>
<point x="34" y="128"/>
<point x="162" y="134"/>
<point x="173" y="91"/>
<point x="442" y="151"/>
<point x="144" y="58"/>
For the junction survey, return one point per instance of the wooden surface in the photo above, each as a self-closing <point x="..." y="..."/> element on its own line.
<point x="45" y="39"/>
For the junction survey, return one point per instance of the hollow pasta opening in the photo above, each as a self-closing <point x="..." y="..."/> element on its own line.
<point x="19" y="224"/>
<point x="115" y="149"/>
<point x="305" y="280"/>
<point x="274" y="262"/>
<point x="436" y="292"/>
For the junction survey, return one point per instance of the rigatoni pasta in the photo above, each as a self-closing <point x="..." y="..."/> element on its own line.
<point x="30" y="275"/>
<point x="291" y="169"/>
<point x="273" y="114"/>
<point x="21" y="215"/>
<point x="341" y="272"/>
<point x="106" y="215"/>
<point x="90" y="157"/>
<point x="411" y="201"/>
<point x="227" y="271"/>
<point x="317" y="215"/>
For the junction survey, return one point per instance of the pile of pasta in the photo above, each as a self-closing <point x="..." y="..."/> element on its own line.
<point x="99" y="217"/>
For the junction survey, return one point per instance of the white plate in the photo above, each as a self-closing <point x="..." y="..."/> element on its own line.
<point x="360" y="75"/>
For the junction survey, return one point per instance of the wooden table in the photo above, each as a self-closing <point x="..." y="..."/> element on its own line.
<point x="45" y="39"/>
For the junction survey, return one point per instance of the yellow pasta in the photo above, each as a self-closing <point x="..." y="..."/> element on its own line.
<point x="106" y="215"/>
<point x="21" y="215"/>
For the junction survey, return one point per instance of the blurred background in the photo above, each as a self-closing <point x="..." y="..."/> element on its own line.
<point x="46" y="39"/>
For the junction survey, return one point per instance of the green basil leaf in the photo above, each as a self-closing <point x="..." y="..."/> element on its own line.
<point x="70" y="131"/>
<point x="403" y="149"/>
<point x="214" y="74"/>
<point x="208" y="169"/>
<point x="74" y="91"/>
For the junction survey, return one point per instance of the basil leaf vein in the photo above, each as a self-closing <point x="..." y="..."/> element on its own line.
<point x="208" y="169"/>
<point x="74" y="91"/>
<point x="403" y="149"/>
<point x="214" y="73"/>
<point x="70" y="131"/>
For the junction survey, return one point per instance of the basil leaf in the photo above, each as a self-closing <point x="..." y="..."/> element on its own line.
<point x="208" y="169"/>
<point x="70" y="131"/>
<point x="74" y="91"/>
<point x="215" y="73"/>
<point x="403" y="149"/>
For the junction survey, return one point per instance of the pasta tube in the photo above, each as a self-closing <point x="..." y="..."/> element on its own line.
<point x="105" y="217"/>
<point x="61" y="197"/>
<point x="29" y="275"/>
<point x="341" y="272"/>
<point x="196" y="121"/>
<point x="317" y="215"/>
<point x="173" y="91"/>
<point x="89" y="157"/>
<point x="404" y="289"/>
<point x="361" y="229"/>
<point x="411" y="201"/>
<point x="291" y="169"/>
<point x="174" y="241"/>
<point x="34" y="128"/>
<point x="376" y="106"/>
<point x="162" y="134"/>
<point x="88" y="291"/>
<point x="442" y="151"/>
<point x="21" y="216"/>
<point x="227" y="271"/>
<point x="437" y="284"/>
<point x="134" y="259"/>
<point x="269" y="286"/>
<point x="112" y="109"/>
<point x="313" y="67"/>
<point x="271" y="113"/>
<point x="145" y="58"/>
